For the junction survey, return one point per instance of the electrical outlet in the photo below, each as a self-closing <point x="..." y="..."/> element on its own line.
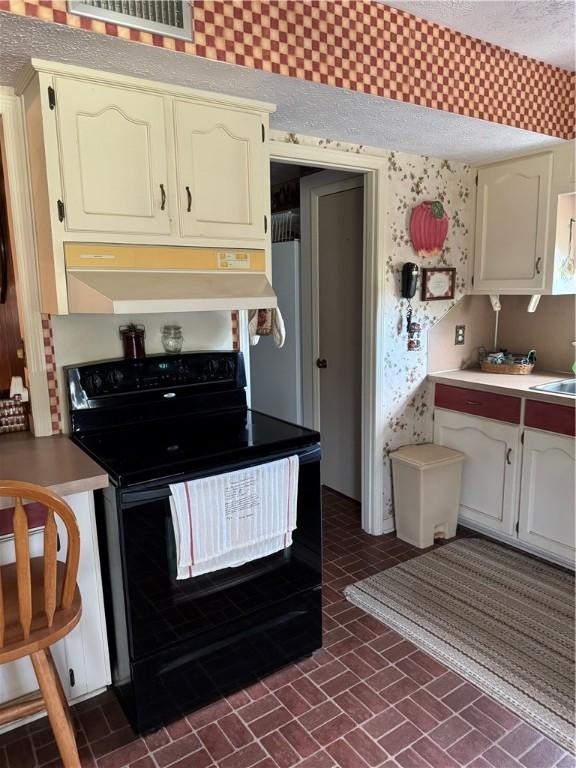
<point x="460" y="335"/>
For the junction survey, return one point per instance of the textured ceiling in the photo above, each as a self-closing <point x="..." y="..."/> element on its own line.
<point x="302" y="107"/>
<point x="541" y="29"/>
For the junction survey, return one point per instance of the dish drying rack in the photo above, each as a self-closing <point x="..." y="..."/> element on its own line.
<point x="286" y="226"/>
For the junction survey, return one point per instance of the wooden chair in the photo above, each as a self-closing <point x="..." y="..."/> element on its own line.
<point x="40" y="604"/>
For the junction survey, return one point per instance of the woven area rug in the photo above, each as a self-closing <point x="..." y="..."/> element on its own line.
<point x="501" y="619"/>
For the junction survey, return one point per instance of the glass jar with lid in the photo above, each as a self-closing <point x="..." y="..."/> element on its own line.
<point x="172" y="338"/>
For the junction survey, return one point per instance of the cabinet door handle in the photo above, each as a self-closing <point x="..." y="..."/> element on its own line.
<point x="189" y="194"/>
<point x="265" y="224"/>
<point x="508" y="454"/>
<point x="162" y="197"/>
<point x="538" y="262"/>
<point x="473" y="402"/>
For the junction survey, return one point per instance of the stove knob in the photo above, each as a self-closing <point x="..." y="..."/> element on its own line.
<point x="114" y="377"/>
<point x="226" y="368"/>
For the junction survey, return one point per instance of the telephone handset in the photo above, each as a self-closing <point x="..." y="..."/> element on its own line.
<point x="409" y="280"/>
<point x="409" y="284"/>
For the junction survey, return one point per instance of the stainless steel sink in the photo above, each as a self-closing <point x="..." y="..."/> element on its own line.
<point x="564" y="387"/>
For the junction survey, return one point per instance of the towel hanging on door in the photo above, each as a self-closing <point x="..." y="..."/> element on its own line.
<point x="266" y="322"/>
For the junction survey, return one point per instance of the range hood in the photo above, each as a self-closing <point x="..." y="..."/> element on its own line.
<point x="123" y="279"/>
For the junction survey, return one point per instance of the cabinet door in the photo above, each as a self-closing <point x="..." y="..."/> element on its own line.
<point x="489" y="478"/>
<point x="547" y="499"/>
<point x="82" y="656"/>
<point x="113" y="157"/>
<point x="87" y="645"/>
<point x="512" y="219"/>
<point x="221" y="172"/>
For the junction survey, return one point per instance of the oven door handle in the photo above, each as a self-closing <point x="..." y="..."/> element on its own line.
<point x="133" y="498"/>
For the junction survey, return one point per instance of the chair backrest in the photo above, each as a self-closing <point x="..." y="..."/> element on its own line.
<point x="21" y="493"/>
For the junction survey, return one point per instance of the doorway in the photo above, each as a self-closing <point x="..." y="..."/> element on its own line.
<point x="11" y="346"/>
<point x="317" y="273"/>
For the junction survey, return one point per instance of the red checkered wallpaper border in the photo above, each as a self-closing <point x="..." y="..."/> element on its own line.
<point x="365" y="46"/>
<point x="235" y="318"/>
<point x="50" y="358"/>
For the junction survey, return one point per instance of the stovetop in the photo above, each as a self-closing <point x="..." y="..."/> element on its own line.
<point x="138" y="453"/>
<point x="166" y="416"/>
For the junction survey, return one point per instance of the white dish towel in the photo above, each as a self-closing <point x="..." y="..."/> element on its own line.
<point x="224" y="521"/>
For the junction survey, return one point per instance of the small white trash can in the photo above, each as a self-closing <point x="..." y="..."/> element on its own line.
<point x="427" y="481"/>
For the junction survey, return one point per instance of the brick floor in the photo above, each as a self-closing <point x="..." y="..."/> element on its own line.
<point x="369" y="698"/>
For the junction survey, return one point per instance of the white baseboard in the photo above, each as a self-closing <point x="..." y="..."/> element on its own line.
<point x="506" y="538"/>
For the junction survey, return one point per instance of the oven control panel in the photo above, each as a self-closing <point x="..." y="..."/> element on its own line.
<point x="156" y="372"/>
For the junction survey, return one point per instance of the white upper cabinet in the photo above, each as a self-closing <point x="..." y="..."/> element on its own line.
<point x="512" y="220"/>
<point x="221" y="170"/>
<point x="116" y="159"/>
<point x="522" y="209"/>
<point x="547" y="500"/>
<point x="113" y="156"/>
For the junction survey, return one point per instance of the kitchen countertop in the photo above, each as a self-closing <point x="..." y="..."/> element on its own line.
<point x="506" y="384"/>
<point x="53" y="462"/>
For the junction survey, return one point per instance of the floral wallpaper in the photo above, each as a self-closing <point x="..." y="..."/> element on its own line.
<point x="412" y="179"/>
<point x="408" y="399"/>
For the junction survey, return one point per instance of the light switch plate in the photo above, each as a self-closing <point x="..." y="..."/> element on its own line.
<point x="460" y="334"/>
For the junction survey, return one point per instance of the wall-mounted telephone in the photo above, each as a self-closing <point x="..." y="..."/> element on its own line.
<point x="409" y="280"/>
<point x="410" y="273"/>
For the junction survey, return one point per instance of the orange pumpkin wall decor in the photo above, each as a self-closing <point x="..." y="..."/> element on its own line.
<point x="428" y="228"/>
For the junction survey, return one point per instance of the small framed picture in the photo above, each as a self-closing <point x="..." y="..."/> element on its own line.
<point x="438" y="283"/>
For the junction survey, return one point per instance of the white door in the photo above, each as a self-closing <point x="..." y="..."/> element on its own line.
<point x="512" y="219"/>
<point x="489" y="477"/>
<point x="222" y="172"/>
<point x="547" y="501"/>
<point x="113" y="154"/>
<point x="340" y="222"/>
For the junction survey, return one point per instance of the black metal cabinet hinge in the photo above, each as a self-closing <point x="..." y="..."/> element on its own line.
<point x="263" y="133"/>
<point x="265" y="224"/>
<point x="60" y="206"/>
<point x="72" y="678"/>
<point x="51" y="97"/>
<point x="522" y="438"/>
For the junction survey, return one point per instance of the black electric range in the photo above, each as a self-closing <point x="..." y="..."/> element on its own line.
<point x="178" y="644"/>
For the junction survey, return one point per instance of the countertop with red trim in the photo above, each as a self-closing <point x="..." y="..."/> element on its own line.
<point x="53" y="462"/>
<point x="506" y="384"/>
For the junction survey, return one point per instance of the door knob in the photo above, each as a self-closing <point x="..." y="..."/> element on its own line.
<point x="321" y="363"/>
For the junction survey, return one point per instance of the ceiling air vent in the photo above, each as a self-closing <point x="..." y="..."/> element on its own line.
<point x="164" y="17"/>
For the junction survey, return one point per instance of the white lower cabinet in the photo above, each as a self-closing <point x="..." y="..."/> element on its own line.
<point x="547" y="498"/>
<point x="489" y="496"/>
<point x="82" y="656"/>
